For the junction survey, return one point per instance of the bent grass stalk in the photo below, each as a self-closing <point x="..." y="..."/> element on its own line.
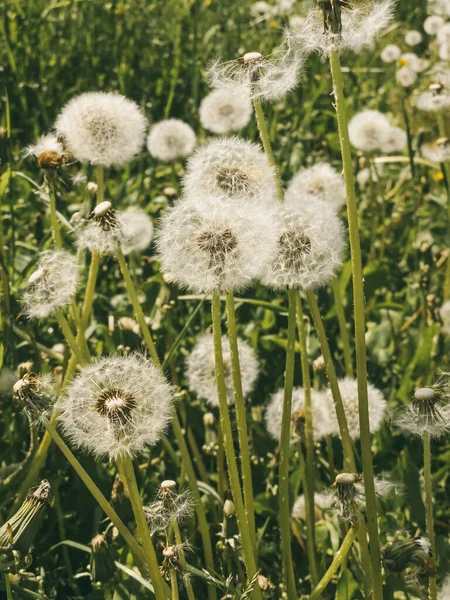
<point x="241" y="417"/>
<point x="428" y="482"/>
<point x="360" y="327"/>
<point x="246" y="539"/>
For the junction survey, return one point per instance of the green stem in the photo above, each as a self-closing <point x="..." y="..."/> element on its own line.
<point x="446" y="169"/>
<point x="309" y="483"/>
<point x="174" y="584"/>
<point x="100" y="184"/>
<point x="265" y="139"/>
<point x="96" y="493"/>
<point x="179" y="541"/>
<point x="142" y="528"/>
<point x="241" y="417"/>
<point x="285" y="450"/>
<point x="137" y="306"/>
<point x="9" y="595"/>
<point x="233" y="473"/>
<point x="70" y="338"/>
<point x="429" y="507"/>
<point x="54" y="217"/>
<point x="345" y="339"/>
<point x="338" y="559"/>
<point x="360" y="328"/>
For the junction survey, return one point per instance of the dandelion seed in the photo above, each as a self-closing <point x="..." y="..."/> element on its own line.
<point x="321" y="181"/>
<point x="103" y="232"/>
<point x="35" y="396"/>
<point x="413" y="38"/>
<point x="233" y="168"/>
<point x="432" y="24"/>
<point x="428" y="411"/>
<point x="321" y="407"/>
<point x="52" y="285"/>
<point x="136" y="230"/>
<point x="102" y="128"/>
<point x="171" y="139"/>
<point x="369" y="130"/>
<point x="226" y="110"/>
<point x="321" y="502"/>
<point x="309" y="249"/>
<point x="116" y="406"/>
<point x="390" y="53"/>
<point x="438" y="151"/>
<point x="200" y="369"/>
<point x="212" y="246"/>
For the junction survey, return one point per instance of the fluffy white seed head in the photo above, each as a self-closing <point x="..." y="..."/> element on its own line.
<point x="226" y="110"/>
<point x="360" y="26"/>
<point x="116" y="406"/>
<point x="440" y="73"/>
<point x="406" y="76"/>
<point x="320" y="181"/>
<point x="231" y="167"/>
<point x="200" y="369"/>
<point x="438" y="151"/>
<point x="443" y="34"/>
<point x="413" y="38"/>
<point x="436" y="98"/>
<point x="46" y="143"/>
<point x="52" y="284"/>
<point x="368" y="130"/>
<point x="210" y="245"/>
<point x="102" y="128"/>
<point x="137" y="230"/>
<point x="432" y="24"/>
<point x="444" y="313"/>
<point x="349" y="393"/>
<point x="396" y="140"/>
<point x="262" y="10"/>
<point x="390" y="53"/>
<point x="310" y="245"/>
<point x="171" y="139"/>
<point x="322" y="409"/>
<point x="264" y="78"/>
<point x="321" y="501"/>
<point x="439" y="7"/>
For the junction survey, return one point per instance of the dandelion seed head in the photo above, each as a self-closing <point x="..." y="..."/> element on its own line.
<point x="200" y="369"/>
<point x="208" y="245"/>
<point x="171" y="139"/>
<point x="52" y="285"/>
<point x="444" y="313"/>
<point x="102" y="128"/>
<point x="443" y="35"/>
<point x="116" y="406"/>
<point x="368" y="130"/>
<point x="310" y="246"/>
<point x="169" y="506"/>
<point x="413" y="38"/>
<point x="432" y="24"/>
<point x="136" y="230"/>
<point x="444" y="590"/>
<point x="231" y="167"/>
<point x="438" y="151"/>
<point x="436" y="98"/>
<point x="396" y="140"/>
<point x="35" y="396"/>
<point x="390" y="53"/>
<point x="262" y="10"/>
<point x="319" y="181"/>
<point x="321" y="500"/>
<point x="226" y="110"/>
<point x="102" y="233"/>
<point x="49" y="143"/>
<point x="406" y="76"/>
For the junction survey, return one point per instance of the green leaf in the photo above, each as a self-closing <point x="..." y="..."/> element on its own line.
<point x="347" y="586"/>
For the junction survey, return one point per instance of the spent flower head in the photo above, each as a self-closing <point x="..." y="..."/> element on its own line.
<point x="116" y="406"/>
<point x="171" y="139"/>
<point x="102" y="128"/>
<point x="168" y="507"/>
<point x="412" y="554"/>
<point x="52" y="285"/>
<point x="320" y="181"/>
<point x="35" y="396"/>
<point x="102" y="232"/>
<point x="200" y="368"/>
<point x="225" y="110"/>
<point x="49" y="151"/>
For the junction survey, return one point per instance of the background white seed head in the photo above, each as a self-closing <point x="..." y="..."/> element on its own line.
<point x="200" y="368"/>
<point x="349" y="392"/>
<point x="320" y="181"/>
<point x="429" y="101"/>
<point x="210" y="245"/>
<point x="52" y="284"/>
<point x="310" y="245"/>
<point x="396" y="140"/>
<point x="231" y="167"/>
<point x="413" y="38"/>
<point x="432" y="24"/>
<point x="137" y="230"/>
<point x="322" y="410"/>
<point x="171" y="139"/>
<point x="368" y="130"/>
<point x="438" y="151"/>
<point x="102" y="128"/>
<point x="390" y="53"/>
<point x="116" y="406"/>
<point x="226" y="110"/>
<point x="405" y="76"/>
<point x="444" y="313"/>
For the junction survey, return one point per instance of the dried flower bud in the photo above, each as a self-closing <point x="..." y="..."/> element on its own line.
<point x="102" y="565"/>
<point x="34" y="395"/>
<point x="413" y="553"/>
<point x="118" y="492"/>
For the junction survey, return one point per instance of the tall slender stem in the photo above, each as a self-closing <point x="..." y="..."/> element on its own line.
<point x="174" y="584"/>
<point x="265" y="139"/>
<point x="345" y="339"/>
<point x="241" y="417"/>
<point x="285" y="450"/>
<point x="233" y="473"/>
<point x="429" y="507"/>
<point x="338" y="559"/>
<point x="179" y="541"/>
<point x="54" y="217"/>
<point x="309" y="483"/>
<point x="360" y="328"/>
<point x="142" y="528"/>
<point x="70" y="338"/>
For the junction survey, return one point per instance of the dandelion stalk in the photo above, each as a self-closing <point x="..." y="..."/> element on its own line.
<point x="265" y="139"/>
<point x="446" y="169"/>
<point x="174" y="584"/>
<point x="244" y="530"/>
<point x="141" y="524"/>
<point x="54" y="217"/>
<point x="9" y="595"/>
<point x="429" y="506"/>
<point x="284" y="508"/>
<point x="360" y="329"/>
<point x="309" y="484"/>
<point x="241" y="419"/>
<point x="338" y="559"/>
<point x="179" y="542"/>
<point x="345" y="339"/>
<point x="70" y="338"/>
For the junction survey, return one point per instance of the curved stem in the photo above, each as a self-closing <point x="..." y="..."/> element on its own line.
<point x="241" y="417"/>
<point x="233" y="473"/>
<point x="309" y="483"/>
<point x="285" y="448"/>
<point x="429" y="507"/>
<point x="360" y="328"/>
<point x="345" y="339"/>
<point x="339" y="558"/>
<point x="142" y="528"/>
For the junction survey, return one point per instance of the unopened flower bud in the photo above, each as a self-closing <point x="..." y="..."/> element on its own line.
<point x="102" y="565"/>
<point x="229" y="508"/>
